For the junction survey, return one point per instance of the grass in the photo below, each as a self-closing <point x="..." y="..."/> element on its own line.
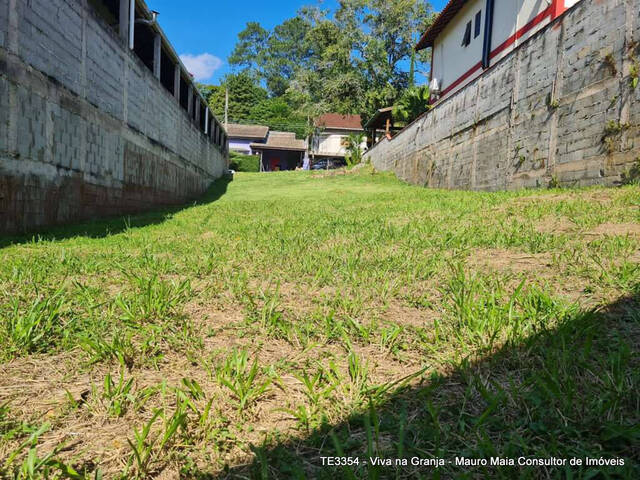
<point x="292" y="316"/>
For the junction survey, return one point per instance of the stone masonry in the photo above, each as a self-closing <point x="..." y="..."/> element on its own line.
<point x="86" y="129"/>
<point x="560" y="110"/>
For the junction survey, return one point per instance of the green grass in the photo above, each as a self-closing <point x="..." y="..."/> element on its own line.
<point x="292" y="316"/>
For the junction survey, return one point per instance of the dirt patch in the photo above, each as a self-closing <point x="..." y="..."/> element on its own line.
<point x="516" y="262"/>
<point x="555" y="225"/>
<point x="329" y="173"/>
<point x="615" y="229"/>
<point x="409" y="316"/>
<point x="595" y="195"/>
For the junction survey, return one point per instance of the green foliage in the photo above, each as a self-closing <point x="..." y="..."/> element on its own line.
<point x="631" y="176"/>
<point x="412" y="103"/>
<point x="118" y="396"/>
<point x="350" y="62"/>
<point x="244" y="163"/>
<point x="493" y="336"/>
<point x="242" y="379"/>
<point x="155" y="299"/>
<point x="354" y="149"/>
<point x="273" y="56"/>
<point x="244" y="94"/>
<point x="278" y="114"/>
<point x="32" y="328"/>
<point x="36" y="467"/>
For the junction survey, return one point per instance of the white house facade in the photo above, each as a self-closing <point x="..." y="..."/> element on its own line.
<point x="332" y="134"/>
<point x="471" y="35"/>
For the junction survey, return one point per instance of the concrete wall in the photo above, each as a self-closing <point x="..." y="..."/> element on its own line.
<point x="514" y="22"/>
<point x="560" y="107"/>
<point x="85" y="128"/>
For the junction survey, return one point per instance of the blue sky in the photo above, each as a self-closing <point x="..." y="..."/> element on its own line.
<point x="204" y="32"/>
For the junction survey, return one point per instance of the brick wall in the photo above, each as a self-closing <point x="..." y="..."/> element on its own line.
<point x="85" y="128"/>
<point x="543" y="114"/>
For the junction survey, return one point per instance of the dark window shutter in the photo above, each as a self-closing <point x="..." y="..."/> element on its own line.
<point x="478" y="25"/>
<point x="467" y="35"/>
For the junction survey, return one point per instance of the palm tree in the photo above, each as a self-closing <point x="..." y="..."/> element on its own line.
<point x="354" y="149"/>
<point x="413" y="103"/>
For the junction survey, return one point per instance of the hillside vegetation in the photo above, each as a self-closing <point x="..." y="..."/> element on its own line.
<point x="292" y="316"/>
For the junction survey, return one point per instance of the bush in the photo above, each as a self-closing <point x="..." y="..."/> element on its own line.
<point x="244" y="163"/>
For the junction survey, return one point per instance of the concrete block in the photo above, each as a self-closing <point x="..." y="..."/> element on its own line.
<point x="69" y="112"/>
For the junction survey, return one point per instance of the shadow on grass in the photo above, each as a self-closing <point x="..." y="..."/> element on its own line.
<point x="573" y="391"/>
<point x="104" y="227"/>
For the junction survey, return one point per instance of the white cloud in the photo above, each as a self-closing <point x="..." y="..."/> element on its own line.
<point x="201" y="66"/>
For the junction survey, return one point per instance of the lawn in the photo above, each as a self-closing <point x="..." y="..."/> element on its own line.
<point x="293" y="316"/>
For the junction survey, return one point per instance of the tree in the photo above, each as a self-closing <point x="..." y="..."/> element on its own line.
<point x="358" y="60"/>
<point x="244" y="94"/>
<point x="277" y="114"/>
<point x="384" y="40"/>
<point x="354" y="149"/>
<point x="273" y="56"/>
<point x="412" y="103"/>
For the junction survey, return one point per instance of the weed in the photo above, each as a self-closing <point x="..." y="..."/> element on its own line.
<point x="35" y="467"/>
<point x="612" y="132"/>
<point x="610" y="62"/>
<point x="414" y="323"/>
<point x="633" y="73"/>
<point x="119" y="347"/>
<point x="242" y="379"/>
<point x="554" y="182"/>
<point x="390" y="338"/>
<point x="154" y="300"/>
<point x="631" y="176"/>
<point x="142" y="446"/>
<point x="118" y="396"/>
<point x="35" y="328"/>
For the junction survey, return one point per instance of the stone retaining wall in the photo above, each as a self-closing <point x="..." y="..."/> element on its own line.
<point x="86" y="129"/>
<point x="560" y="109"/>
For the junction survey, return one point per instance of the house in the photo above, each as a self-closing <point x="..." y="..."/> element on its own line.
<point x="282" y="151"/>
<point x="331" y="137"/>
<point x="242" y="136"/>
<point x="469" y="36"/>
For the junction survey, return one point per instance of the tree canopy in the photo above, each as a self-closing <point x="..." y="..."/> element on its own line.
<point x="354" y="60"/>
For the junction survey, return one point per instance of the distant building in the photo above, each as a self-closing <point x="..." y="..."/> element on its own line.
<point x="471" y="35"/>
<point x="282" y="151"/>
<point x="330" y="141"/>
<point x="381" y="125"/>
<point x="242" y="136"/>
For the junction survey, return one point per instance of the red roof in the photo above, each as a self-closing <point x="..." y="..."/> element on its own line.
<point x="450" y="11"/>
<point x="337" y="120"/>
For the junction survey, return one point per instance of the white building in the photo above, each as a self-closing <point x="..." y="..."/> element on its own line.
<point x="471" y="35"/>
<point x="332" y="134"/>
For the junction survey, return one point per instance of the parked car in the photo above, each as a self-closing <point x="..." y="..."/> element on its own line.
<point x="320" y="165"/>
<point x="328" y="164"/>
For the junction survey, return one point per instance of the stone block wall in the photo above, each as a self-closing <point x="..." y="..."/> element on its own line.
<point x="561" y="109"/>
<point x="86" y="129"/>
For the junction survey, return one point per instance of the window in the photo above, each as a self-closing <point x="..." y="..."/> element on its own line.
<point x="167" y="71"/>
<point x="477" y="25"/>
<point x="467" y="36"/>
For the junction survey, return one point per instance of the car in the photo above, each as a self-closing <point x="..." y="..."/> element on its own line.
<point x="328" y="164"/>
